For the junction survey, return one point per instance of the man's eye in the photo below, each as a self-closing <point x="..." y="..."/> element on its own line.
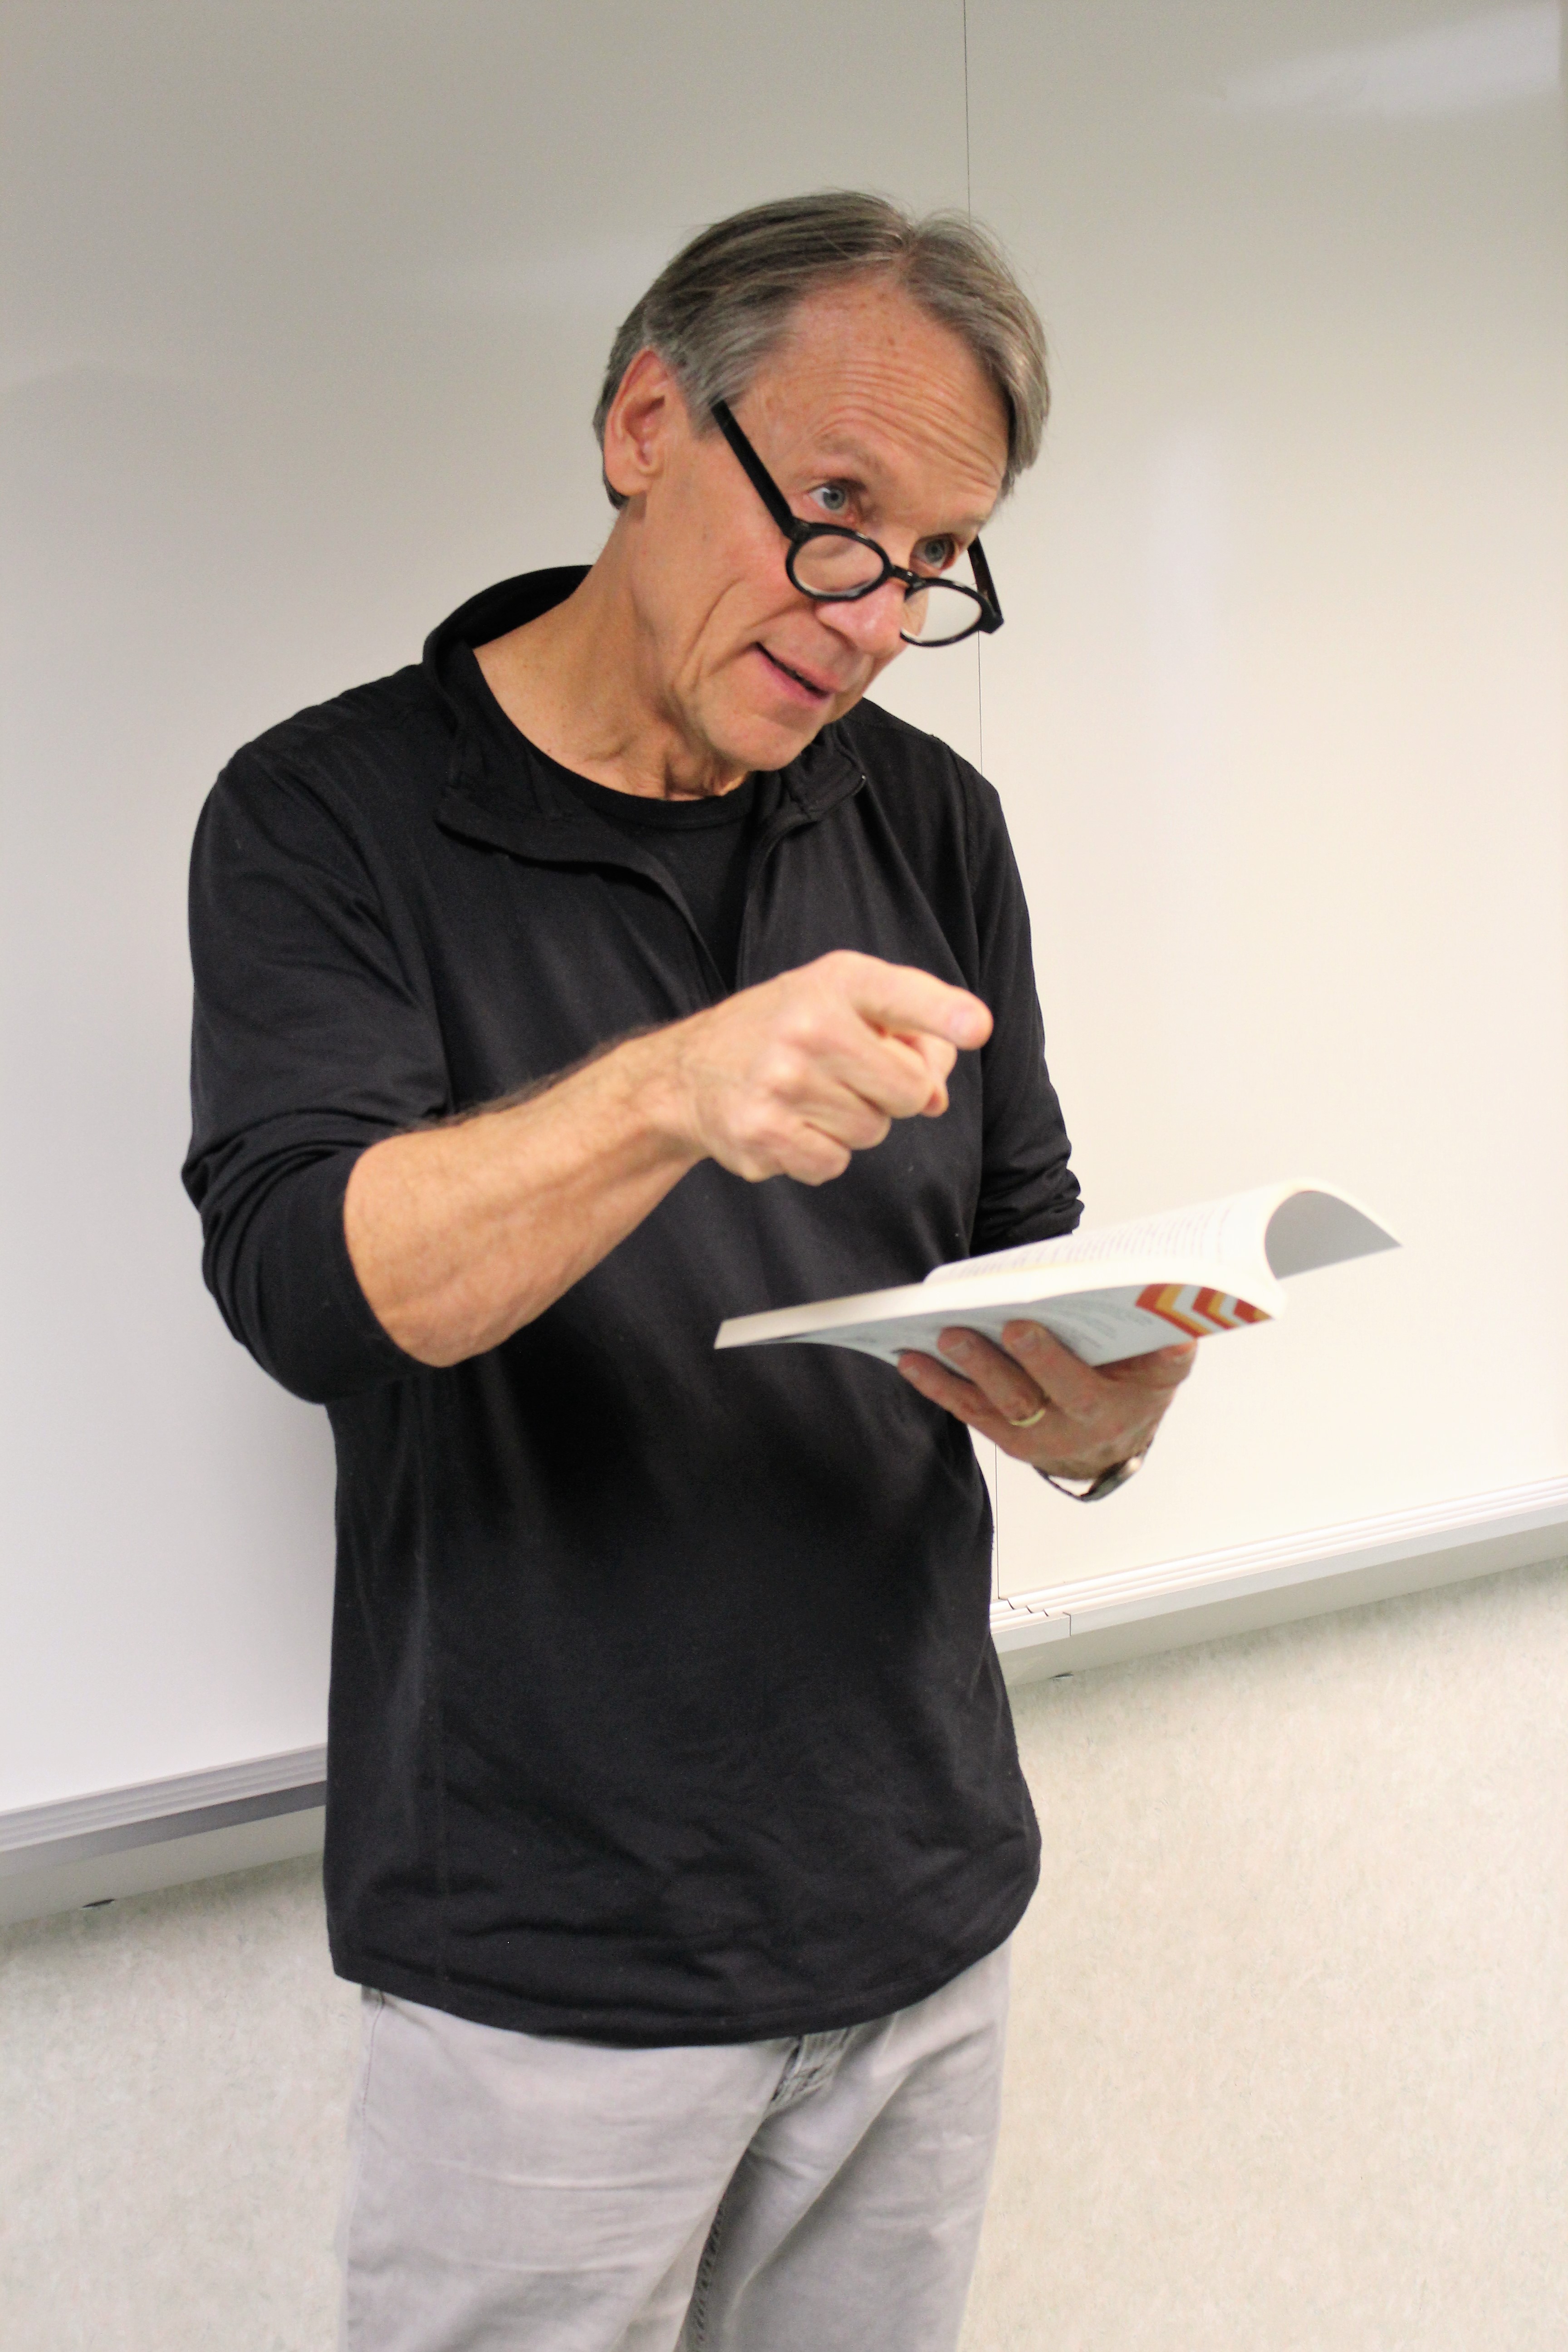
<point x="832" y="498"/>
<point x="934" y="554"/>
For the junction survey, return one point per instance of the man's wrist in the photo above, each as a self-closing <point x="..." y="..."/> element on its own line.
<point x="1104" y="1482"/>
<point x="657" y="1093"/>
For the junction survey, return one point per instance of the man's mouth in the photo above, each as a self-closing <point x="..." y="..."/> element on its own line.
<point x="818" y="690"/>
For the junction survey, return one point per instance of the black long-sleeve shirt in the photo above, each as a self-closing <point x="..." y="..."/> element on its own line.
<point x="663" y="1702"/>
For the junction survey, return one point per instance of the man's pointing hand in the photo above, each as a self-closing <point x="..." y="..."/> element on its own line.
<point x="790" y="1077"/>
<point x="461" y="1233"/>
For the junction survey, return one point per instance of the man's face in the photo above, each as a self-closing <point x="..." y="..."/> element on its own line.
<point x="869" y="414"/>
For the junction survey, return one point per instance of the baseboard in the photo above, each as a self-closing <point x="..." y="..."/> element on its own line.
<point x="1098" y="1621"/>
<point x="157" y="1833"/>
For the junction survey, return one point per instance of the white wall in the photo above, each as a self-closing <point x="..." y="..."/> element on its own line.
<point x="1281" y="712"/>
<point x="1287" y="2066"/>
<point x="305" y="308"/>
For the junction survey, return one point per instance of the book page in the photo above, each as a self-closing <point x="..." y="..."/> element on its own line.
<point x="1228" y="1232"/>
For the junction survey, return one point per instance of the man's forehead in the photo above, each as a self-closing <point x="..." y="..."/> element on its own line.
<point x="868" y="380"/>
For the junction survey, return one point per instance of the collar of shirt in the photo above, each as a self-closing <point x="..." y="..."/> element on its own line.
<point x="523" y="803"/>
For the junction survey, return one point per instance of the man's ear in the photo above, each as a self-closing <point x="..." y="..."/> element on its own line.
<point x="647" y="412"/>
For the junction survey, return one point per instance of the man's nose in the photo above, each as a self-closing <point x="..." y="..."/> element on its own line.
<point x="873" y="624"/>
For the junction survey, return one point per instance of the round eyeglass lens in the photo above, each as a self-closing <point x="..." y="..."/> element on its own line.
<point x="949" y="608"/>
<point x="829" y="565"/>
<point x="834" y="563"/>
<point x="937" y="615"/>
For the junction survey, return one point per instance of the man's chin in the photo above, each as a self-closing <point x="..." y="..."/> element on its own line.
<point x="765" y="740"/>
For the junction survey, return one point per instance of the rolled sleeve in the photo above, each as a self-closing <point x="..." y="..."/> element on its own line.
<point x="311" y="1040"/>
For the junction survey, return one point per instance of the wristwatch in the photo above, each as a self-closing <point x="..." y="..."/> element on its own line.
<point x="1105" y="1484"/>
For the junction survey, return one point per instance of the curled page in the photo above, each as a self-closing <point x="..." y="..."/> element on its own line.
<point x="1287" y="1228"/>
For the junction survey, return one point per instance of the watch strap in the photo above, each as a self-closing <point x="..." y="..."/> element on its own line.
<point x="1105" y="1484"/>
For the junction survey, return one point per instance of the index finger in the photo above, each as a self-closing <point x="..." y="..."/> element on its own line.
<point x="900" y="997"/>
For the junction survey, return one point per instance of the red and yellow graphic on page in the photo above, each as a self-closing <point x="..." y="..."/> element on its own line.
<point x="1197" y="1312"/>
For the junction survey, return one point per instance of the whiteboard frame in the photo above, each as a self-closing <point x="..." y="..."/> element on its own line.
<point x="121" y="1841"/>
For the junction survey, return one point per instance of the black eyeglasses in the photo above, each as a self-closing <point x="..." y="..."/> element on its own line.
<point x="834" y="565"/>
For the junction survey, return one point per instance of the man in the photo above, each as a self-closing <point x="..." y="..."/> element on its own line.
<point x="615" y="970"/>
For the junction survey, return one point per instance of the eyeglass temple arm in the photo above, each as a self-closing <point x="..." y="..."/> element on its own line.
<point x="986" y="586"/>
<point x="756" y="473"/>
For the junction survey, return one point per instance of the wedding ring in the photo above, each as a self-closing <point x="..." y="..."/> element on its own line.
<point x="1030" y="1418"/>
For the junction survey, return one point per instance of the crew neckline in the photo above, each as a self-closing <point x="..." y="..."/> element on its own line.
<point x="607" y="801"/>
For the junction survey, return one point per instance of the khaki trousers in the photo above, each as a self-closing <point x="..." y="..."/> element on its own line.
<point x="512" y="2193"/>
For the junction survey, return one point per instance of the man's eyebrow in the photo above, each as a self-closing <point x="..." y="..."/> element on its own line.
<point x="847" y="462"/>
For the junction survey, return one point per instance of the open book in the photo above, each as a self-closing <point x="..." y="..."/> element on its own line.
<point x="1121" y="1291"/>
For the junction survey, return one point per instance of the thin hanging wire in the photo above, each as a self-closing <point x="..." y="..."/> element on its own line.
<point x="980" y="717"/>
<point x="968" y="192"/>
<point x="969" y="208"/>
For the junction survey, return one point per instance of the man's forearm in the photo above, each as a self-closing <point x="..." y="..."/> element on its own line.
<point x="461" y="1234"/>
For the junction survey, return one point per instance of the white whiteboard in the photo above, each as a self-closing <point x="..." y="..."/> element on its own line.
<point x="307" y="307"/>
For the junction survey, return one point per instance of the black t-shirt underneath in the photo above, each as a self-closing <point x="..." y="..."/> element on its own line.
<point x="705" y="847"/>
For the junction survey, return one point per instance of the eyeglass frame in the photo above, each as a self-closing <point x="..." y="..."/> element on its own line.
<point x="797" y="530"/>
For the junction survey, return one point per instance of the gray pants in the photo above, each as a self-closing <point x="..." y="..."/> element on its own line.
<point x="510" y="2193"/>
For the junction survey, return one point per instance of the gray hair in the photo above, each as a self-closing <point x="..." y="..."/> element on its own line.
<point x="716" y="311"/>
